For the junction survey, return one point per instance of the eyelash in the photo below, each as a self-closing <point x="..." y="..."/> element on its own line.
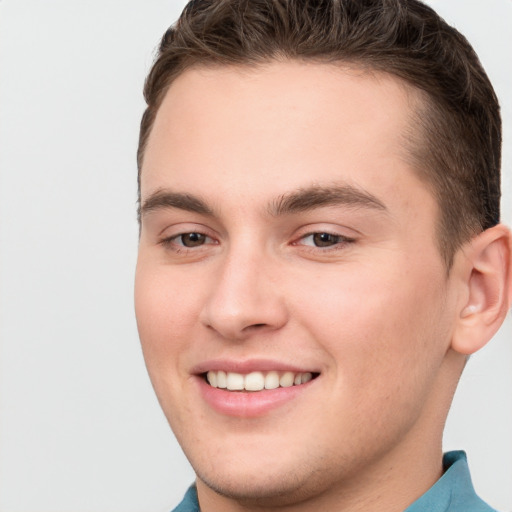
<point x="171" y="241"/>
<point x="339" y="242"/>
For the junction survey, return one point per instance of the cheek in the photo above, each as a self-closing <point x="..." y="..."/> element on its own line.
<point x="385" y="350"/>
<point x="163" y="311"/>
<point x="166" y="324"/>
<point x="380" y="330"/>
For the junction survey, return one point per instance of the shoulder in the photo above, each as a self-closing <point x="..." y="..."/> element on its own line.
<point x="189" y="502"/>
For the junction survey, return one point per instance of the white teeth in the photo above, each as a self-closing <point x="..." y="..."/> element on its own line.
<point x="272" y="380"/>
<point x="235" y="381"/>
<point x="286" y="380"/>
<point x="256" y="381"/>
<point x="305" y="377"/>
<point x="212" y="379"/>
<point x="222" y="380"/>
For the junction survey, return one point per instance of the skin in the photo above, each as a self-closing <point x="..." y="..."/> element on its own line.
<point x="373" y="310"/>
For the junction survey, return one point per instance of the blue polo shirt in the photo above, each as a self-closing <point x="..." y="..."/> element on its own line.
<point x="453" y="492"/>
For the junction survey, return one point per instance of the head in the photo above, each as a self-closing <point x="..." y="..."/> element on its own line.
<point x="455" y="133"/>
<point x="319" y="196"/>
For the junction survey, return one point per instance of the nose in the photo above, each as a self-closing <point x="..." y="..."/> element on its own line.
<point x="245" y="297"/>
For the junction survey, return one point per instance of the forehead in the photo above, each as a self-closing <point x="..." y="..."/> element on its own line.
<point x="278" y="126"/>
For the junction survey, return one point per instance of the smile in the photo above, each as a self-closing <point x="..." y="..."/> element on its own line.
<point x="257" y="381"/>
<point x="252" y="388"/>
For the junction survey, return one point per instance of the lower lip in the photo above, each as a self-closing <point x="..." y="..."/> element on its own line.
<point x="249" y="404"/>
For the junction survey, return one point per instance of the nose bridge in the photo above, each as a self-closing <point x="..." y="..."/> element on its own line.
<point x="244" y="296"/>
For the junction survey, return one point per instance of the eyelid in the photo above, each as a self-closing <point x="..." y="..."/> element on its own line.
<point x="167" y="237"/>
<point x="171" y="239"/>
<point x="180" y="228"/>
<point x="345" y="232"/>
<point x="346" y="237"/>
<point x="343" y="238"/>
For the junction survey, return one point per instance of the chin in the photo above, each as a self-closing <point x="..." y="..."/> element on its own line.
<point x="264" y="479"/>
<point x="276" y="488"/>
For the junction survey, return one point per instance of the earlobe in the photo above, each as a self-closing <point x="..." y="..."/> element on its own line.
<point x="488" y="289"/>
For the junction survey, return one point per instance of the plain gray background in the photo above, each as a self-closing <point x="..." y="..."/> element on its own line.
<point x="80" y="429"/>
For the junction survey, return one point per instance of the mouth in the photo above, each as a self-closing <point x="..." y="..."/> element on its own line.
<point x="253" y="388"/>
<point x="256" y="381"/>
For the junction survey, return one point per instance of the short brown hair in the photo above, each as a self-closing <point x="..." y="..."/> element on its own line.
<point x="458" y="151"/>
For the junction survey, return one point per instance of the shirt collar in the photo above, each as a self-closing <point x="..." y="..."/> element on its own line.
<point x="453" y="492"/>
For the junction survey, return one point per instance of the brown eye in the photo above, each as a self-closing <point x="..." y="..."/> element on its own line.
<point x="325" y="239"/>
<point x="192" y="239"/>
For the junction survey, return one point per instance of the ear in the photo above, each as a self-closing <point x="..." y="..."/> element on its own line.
<point x="486" y="270"/>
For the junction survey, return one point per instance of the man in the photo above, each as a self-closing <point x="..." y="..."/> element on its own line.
<point x="320" y="250"/>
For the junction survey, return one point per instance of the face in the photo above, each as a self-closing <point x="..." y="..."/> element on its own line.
<point x="293" y="307"/>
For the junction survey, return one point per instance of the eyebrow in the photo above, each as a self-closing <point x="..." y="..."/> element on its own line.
<point x="163" y="199"/>
<point x="301" y="200"/>
<point x="313" y="197"/>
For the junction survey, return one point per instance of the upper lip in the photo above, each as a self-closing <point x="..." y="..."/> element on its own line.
<point x="248" y="366"/>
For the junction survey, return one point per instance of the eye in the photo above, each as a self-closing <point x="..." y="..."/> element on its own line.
<point x="187" y="240"/>
<point x="191" y="239"/>
<point x="324" y="239"/>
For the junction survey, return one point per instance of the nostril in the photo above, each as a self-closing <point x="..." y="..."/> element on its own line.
<point x="255" y="327"/>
